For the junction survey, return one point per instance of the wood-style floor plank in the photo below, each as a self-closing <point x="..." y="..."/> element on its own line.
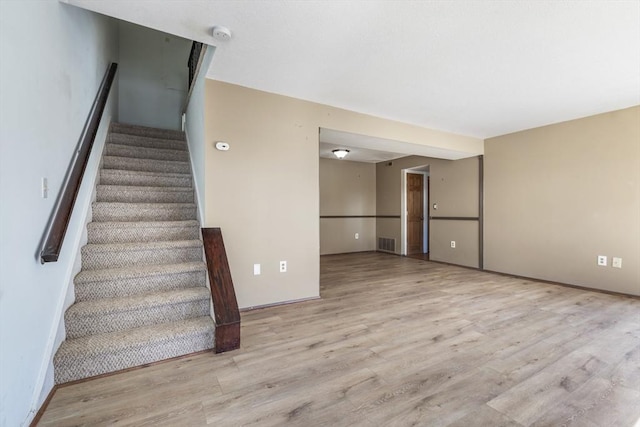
<point x="396" y="342"/>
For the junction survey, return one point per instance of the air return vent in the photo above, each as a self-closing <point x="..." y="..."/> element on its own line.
<point x="386" y="244"/>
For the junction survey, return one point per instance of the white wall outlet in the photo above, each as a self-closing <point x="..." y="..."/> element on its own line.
<point x="357" y="236"/>
<point x="45" y="188"/>
<point x="453" y="244"/>
<point x="616" y="262"/>
<point x="602" y="260"/>
<point x="256" y="269"/>
<point x="283" y="266"/>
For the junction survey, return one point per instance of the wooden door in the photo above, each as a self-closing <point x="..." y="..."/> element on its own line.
<point x="415" y="213"/>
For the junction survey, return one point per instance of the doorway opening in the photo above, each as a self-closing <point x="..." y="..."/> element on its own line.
<point x="415" y="212"/>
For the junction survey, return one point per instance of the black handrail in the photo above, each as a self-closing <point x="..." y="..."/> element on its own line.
<point x="59" y="221"/>
<point x="192" y="62"/>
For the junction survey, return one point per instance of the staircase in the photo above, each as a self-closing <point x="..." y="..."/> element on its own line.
<point x="141" y="295"/>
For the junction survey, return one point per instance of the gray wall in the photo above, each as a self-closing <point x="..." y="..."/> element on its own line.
<point x="53" y="60"/>
<point x="349" y="189"/>
<point x="153" y="77"/>
<point x="558" y="196"/>
<point x="194" y="129"/>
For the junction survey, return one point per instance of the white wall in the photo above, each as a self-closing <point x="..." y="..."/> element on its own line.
<point x="194" y="129"/>
<point x="53" y="59"/>
<point x="154" y="77"/>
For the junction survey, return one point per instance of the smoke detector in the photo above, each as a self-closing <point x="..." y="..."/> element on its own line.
<point x="221" y="33"/>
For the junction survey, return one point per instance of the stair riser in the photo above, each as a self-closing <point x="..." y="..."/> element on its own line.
<point x="74" y="368"/>
<point x="144" y="131"/>
<point x="93" y="259"/>
<point x="144" y="165"/>
<point x="134" y="196"/>
<point x="113" y="177"/>
<point x="142" y="234"/>
<point x="81" y="326"/>
<point x="133" y="213"/>
<point x="138" y="285"/>
<point x="146" y="153"/>
<point x="141" y="141"/>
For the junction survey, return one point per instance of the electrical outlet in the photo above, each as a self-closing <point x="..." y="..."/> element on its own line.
<point x="357" y="236"/>
<point x="616" y="262"/>
<point x="453" y="244"/>
<point x="256" y="269"/>
<point x="602" y="260"/>
<point x="283" y="266"/>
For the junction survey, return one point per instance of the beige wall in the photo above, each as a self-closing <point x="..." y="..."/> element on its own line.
<point x="264" y="191"/>
<point x="454" y="186"/>
<point x="347" y="188"/>
<point x="389" y="192"/>
<point x="558" y="196"/>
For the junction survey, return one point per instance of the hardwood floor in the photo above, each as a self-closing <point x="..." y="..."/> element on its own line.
<point x="424" y="257"/>
<point x="395" y="342"/>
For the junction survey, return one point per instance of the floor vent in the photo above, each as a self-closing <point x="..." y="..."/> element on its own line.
<point x="386" y="244"/>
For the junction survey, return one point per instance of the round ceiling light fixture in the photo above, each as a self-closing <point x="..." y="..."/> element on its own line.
<point x="221" y="33"/>
<point x="340" y="152"/>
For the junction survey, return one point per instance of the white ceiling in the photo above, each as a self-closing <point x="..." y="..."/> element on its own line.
<point x="385" y="149"/>
<point x="478" y="68"/>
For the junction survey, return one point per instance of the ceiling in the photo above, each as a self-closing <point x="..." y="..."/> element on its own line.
<point x="477" y="68"/>
<point x="385" y="149"/>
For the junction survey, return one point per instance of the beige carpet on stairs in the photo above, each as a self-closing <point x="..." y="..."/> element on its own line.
<point x="141" y="295"/>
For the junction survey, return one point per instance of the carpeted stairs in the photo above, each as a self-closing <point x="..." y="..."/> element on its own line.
<point x="141" y="295"/>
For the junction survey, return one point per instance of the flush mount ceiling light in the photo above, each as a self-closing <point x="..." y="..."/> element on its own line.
<point x="221" y="33"/>
<point x="340" y="152"/>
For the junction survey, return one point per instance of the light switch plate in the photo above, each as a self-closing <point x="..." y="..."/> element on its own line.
<point x="45" y="188"/>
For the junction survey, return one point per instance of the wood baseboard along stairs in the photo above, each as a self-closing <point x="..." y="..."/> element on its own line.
<point x="141" y="295"/>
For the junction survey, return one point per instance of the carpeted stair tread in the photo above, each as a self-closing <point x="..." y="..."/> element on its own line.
<point x="138" y="279"/>
<point x="97" y="354"/>
<point x="119" y="247"/>
<point x="141" y="295"/>
<point x="99" y="275"/>
<point x="146" y="141"/>
<point x="113" y="314"/>
<point x="140" y="194"/>
<point x="114" y="305"/>
<point x="119" y="150"/>
<point x="142" y="178"/>
<point x="119" y="211"/>
<point x="101" y="343"/>
<point x="145" y="165"/>
<point x="130" y="129"/>
<point x="143" y="224"/>
<point x="142" y="231"/>
<point x="106" y="255"/>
